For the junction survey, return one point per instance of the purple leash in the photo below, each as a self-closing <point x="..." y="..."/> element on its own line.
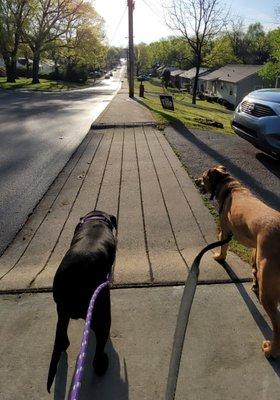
<point x="82" y="354"/>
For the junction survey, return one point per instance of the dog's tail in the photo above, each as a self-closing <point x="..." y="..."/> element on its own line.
<point x="61" y="344"/>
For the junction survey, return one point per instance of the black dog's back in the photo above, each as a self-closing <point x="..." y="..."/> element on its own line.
<point x="84" y="267"/>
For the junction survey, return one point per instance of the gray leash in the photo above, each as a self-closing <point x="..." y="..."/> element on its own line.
<point x="183" y="319"/>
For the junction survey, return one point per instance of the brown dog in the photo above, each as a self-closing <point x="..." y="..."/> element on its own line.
<point x="256" y="226"/>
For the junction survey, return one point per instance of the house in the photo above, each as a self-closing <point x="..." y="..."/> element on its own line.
<point x="46" y="67"/>
<point x="187" y="77"/>
<point x="232" y="82"/>
<point x="175" y="77"/>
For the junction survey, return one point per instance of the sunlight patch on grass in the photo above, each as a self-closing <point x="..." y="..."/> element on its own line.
<point x="44" y="85"/>
<point x="189" y="114"/>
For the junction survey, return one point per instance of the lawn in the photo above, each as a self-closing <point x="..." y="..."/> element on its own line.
<point x="193" y="116"/>
<point x="44" y="85"/>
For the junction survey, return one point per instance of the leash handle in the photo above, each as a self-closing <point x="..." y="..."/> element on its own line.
<point x="183" y="319"/>
<point x="75" y="391"/>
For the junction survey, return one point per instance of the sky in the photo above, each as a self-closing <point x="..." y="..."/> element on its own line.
<point x="149" y="23"/>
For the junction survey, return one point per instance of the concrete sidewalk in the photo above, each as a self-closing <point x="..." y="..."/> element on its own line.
<point x="222" y="356"/>
<point x="126" y="167"/>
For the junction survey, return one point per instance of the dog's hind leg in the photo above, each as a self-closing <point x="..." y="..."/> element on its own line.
<point x="101" y="324"/>
<point x="61" y="344"/>
<point x="255" y="285"/>
<point x="269" y="287"/>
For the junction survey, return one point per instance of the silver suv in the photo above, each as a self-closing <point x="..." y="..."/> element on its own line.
<point x="257" y="119"/>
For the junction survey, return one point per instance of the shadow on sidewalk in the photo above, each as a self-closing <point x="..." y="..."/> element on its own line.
<point x="258" y="318"/>
<point x="109" y="387"/>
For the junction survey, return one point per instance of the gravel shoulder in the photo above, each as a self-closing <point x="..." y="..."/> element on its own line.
<point x="199" y="150"/>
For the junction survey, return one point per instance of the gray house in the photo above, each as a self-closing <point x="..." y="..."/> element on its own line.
<point x="175" y="77"/>
<point x="187" y="77"/>
<point x="232" y="82"/>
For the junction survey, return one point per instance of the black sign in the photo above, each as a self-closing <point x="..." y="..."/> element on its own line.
<point x="167" y="102"/>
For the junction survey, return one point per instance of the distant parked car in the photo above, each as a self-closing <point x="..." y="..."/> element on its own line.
<point x="107" y="76"/>
<point x="257" y="120"/>
<point x="142" y="78"/>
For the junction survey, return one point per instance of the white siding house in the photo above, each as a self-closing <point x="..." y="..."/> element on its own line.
<point x="232" y="82"/>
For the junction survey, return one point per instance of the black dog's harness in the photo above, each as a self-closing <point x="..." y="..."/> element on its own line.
<point x="96" y="217"/>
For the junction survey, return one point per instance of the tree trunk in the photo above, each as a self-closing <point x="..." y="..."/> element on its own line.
<point x="35" y="71"/>
<point x="197" y="67"/>
<point x="10" y="72"/>
<point x="14" y="67"/>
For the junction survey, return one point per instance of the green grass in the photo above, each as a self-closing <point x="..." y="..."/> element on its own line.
<point x="189" y="114"/>
<point x="44" y="85"/>
<point x="243" y="252"/>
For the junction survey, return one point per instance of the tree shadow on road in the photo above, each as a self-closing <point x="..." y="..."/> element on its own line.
<point x="269" y="197"/>
<point x="270" y="163"/>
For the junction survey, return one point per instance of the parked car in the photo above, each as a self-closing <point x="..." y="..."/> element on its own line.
<point x="257" y="120"/>
<point x="107" y="76"/>
<point x="141" y="78"/>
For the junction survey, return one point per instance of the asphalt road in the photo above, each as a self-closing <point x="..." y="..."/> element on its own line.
<point x="39" y="131"/>
<point x="200" y="150"/>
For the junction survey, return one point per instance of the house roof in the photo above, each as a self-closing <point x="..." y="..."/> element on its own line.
<point x="190" y="73"/>
<point x="232" y="73"/>
<point x="176" y="72"/>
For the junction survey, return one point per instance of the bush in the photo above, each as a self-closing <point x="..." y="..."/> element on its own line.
<point x="2" y="72"/>
<point x="76" y="74"/>
<point x="22" y="72"/>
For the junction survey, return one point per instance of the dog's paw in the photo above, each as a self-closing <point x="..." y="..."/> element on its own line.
<point x="219" y="257"/>
<point x="269" y="351"/>
<point x="100" y="364"/>
<point x="255" y="289"/>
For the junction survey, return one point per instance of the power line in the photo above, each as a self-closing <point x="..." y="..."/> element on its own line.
<point x="154" y="11"/>
<point x="119" y="23"/>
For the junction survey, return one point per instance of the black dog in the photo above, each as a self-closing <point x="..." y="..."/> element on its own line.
<point x="84" y="267"/>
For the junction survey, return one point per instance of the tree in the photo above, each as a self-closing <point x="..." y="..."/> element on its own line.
<point x="142" y="57"/>
<point x="256" y="44"/>
<point x="198" y="21"/>
<point x="48" y="21"/>
<point x="85" y="41"/>
<point x="236" y="35"/>
<point x="13" y="15"/>
<point x="25" y="52"/>
<point x="113" y="56"/>
<point x="221" y="53"/>
<point x="271" y="69"/>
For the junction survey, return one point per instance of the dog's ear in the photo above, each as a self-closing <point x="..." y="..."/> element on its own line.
<point x="114" y="221"/>
<point x="215" y="175"/>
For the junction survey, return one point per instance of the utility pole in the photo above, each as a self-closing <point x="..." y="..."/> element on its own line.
<point x="131" y="5"/>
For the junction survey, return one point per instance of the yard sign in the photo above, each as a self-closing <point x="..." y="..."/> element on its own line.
<point x="167" y="102"/>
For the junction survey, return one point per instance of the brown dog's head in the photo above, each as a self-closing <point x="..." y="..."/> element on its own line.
<point x="210" y="179"/>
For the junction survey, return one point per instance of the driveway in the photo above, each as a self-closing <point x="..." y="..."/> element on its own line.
<point x="39" y="131"/>
<point x="199" y="150"/>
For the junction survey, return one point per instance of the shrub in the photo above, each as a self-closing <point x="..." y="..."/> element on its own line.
<point x="76" y="74"/>
<point x="2" y="72"/>
<point x="22" y="72"/>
